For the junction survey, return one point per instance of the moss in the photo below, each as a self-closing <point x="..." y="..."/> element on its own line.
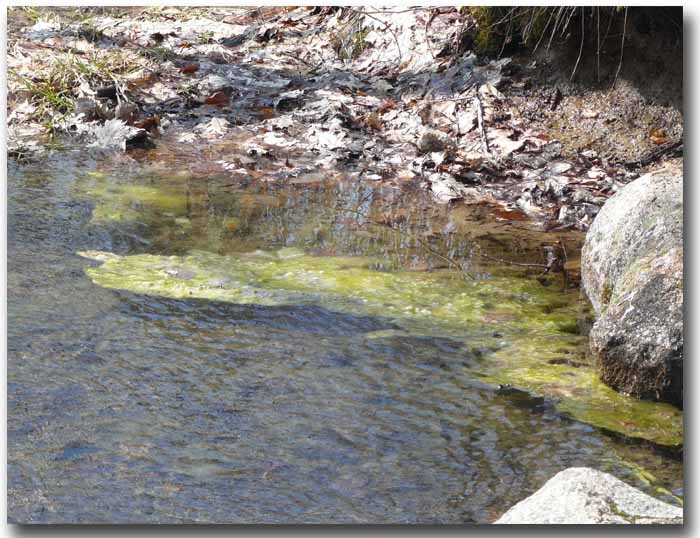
<point x="554" y="305"/>
<point x="495" y="27"/>
<point x="570" y="327"/>
<point x="621" y="513"/>
<point x="505" y="314"/>
<point x="579" y="392"/>
<point x="485" y="41"/>
<point x="128" y="202"/>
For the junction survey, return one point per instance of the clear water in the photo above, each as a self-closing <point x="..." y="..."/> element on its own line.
<point x="126" y="407"/>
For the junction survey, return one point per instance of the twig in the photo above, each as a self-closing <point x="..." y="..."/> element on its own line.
<point x="427" y="30"/>
<point x="544" y="30"/>
<point x="480" y="119"/>
<point x="457" y="99"/>
<point x="387" y="26"/>
<point x="311" y="66"/>
<point x="528" y="26"/>
<point x="509" y="34"/>
<point x="607" y="30"/>
<point x="622" y="49"/>
<point x="597" y="54"/>
<point x="655" y="155"/>
<point x="403" y="11"/>
<point x="563" y="248"/>
<point x="554" y="28"/>
<point x="505" y="18"/>
<point x="501" y="260"/>
<point x="568" y="21"/>
<point x="460" y="35"/>
<point x="442" y="257"/>
<point x="580" y="50"/>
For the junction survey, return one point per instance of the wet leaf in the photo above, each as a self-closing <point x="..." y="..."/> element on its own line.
<point x="511" y="215"/>
<point x="266" y="112"/>
<point x="126" y="112"/>
<point x="148" y="124"/>
<point x="219" y="99"/>
<point x="190" y="68"/>
<point x="387" y="104"/>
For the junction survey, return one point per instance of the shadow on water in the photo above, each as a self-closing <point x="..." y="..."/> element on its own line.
<point x="208" y="313"/>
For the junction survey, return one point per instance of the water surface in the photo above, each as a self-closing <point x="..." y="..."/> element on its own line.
<point x="356" y="383"/>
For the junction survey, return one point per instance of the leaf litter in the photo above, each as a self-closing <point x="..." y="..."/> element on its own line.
<point x="385" y="95"/>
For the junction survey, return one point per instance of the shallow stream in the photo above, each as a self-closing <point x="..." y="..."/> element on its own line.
<point x="183" y="349"/>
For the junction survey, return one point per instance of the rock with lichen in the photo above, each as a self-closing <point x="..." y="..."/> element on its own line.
<point x="632" y="269"/>
<point x="584" y="496"/>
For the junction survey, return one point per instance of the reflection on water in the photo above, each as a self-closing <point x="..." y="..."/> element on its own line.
<point x="138" y="407"/>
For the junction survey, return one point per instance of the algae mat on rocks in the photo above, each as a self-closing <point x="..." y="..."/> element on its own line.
<point x="513" y="329"/>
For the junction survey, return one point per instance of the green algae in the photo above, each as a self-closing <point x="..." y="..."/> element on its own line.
<point x="647" y="477"/>
<point x="271" y="277"/>
<point x="578" y="392"/>
<point x="522" y="324"/>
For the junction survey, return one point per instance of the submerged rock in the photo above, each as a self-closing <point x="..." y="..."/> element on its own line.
<point x="632" y="269"/>
<point x="583" y="496"/>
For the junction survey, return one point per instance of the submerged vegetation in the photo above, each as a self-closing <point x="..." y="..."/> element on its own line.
<point x="523" y="352"/>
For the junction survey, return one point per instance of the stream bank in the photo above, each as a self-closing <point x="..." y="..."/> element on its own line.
<point x="393" y="97"/>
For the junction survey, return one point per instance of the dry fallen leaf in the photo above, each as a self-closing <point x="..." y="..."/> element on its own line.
<point x="658" y="136"/>
<point x="372" y="121"/>
<point x="140" y="79"/>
